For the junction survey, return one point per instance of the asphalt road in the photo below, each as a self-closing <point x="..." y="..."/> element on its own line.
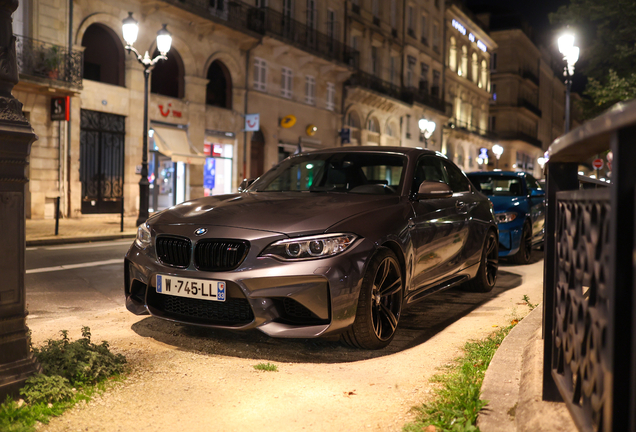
<point x="75" y="278"/>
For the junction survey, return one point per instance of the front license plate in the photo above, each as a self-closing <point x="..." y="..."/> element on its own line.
<point x="202" y="289"/>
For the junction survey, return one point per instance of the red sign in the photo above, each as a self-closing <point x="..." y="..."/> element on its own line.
<point x="166" y="113"/>
<point x="60" y="108"/>
<point x="597" y="164"/>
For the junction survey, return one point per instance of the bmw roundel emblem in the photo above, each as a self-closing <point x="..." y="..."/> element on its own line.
<point x="200" y="231"/>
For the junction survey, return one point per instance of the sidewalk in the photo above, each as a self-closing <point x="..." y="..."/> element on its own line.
<point x="513" y="385"/>
<point x="88" y="228"/>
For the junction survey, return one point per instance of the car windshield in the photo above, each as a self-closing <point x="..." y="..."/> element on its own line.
<point x="355" y="172"/>
<point x="498" y="185"/>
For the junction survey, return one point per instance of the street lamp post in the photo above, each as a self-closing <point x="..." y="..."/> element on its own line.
<point x="570" y="56"/>
<point x="427" y="127"/>
<point x="130" y="29"/>
<point x="498" y="151"/>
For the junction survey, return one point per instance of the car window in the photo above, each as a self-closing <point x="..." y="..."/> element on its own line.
<point x="428" y="168"/>
<point x="498" y="185"/>
<point x="532" y="182"/>
<point x="456" y="178"/>
<point x="358" y="172"/>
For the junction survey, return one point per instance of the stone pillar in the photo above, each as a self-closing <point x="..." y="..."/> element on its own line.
<point x="16" y="136"/>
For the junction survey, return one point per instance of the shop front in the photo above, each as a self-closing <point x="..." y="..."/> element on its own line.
<point x="169" y="160"/>
<point x="219" y="163"/>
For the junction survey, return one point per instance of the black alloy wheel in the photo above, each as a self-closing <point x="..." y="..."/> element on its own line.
<point x="525" y="246"/>
<point x="486" y="277"/>
<point x="379" y="304"/>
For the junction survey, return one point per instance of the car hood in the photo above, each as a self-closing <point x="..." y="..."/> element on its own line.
<point x="280" y="212"/>
<point x="506" y="203"/>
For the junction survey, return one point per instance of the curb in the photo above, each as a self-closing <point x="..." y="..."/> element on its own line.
<point x="503" y="377"/>
<point x="67" y="240"/>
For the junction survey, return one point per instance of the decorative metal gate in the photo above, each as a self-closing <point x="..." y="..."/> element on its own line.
<point x="102" y="161"/>
<point x="590" y="274"/>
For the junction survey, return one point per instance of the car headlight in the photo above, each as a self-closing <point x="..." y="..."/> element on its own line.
<point x="303" y="248"/>
<point x="505" y="217"/>
<point x="143" y="239"/>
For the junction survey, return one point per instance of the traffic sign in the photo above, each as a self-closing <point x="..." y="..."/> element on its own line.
<point x="597" y="164"/>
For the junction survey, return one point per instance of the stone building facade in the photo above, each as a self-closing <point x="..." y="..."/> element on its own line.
<point x="468" y="49"/>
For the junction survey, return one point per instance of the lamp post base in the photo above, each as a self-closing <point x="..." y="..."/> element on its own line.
<point x="17" y="363"/>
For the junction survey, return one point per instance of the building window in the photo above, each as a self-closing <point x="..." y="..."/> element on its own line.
<point x="463" y="71"/>
<point x="435" y="88"/>
<point x="310" y="90"/>
<point x="424" y="30"/>
<point x="373" y="125"/>
<point x="168" y="76"/>
<point x="376" y="8"/>
<point x="260" y="74"/>
<point x="452" y="54"/>
<point x="436" y="36"/>
<point x="375" y="68"/>
<point x="355" y="42"/>
<point x="331" y="96"/>
<point x="411" y="23"/>
<point x="261" y="3"/>
<point x="311" y="14"/>
<point x="394" y="14"/>
<point x="493" y="62"/>
<point x="408" y="126"/>
<point x="331" y="24"/>
<point x="393" y="69"/>
<point x="491" y="123"/>
<point x="493" y="87"/>
<point x="475" y="68"/>
<point x="353" y="120"/>
<point x="286" y="83"/>
<point x="483" y="81"/>
<point x="104" y="55"/>
<point x="424" y="77"/>
<point x="218" y="91"/>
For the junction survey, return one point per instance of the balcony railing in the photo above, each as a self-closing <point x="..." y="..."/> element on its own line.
<point x="527" y="74"/>
<point x="521" y="136"/>
<point x="44" y="60"/>
<point x="409" y="95"/>
<point x="469" y="127"/>
<point x="529" y="106"/>
<point x="267" y="21"/>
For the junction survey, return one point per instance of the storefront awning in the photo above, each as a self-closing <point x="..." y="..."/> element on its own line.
<point x="174" y="143"/>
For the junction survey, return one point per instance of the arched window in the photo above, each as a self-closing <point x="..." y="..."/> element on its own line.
<point x="219" y="89"/>
<point x="474" y="76"/>
<point x="373" y="125"/>
<point x="483" y="82"/>
<point x="391" y="129"/>
<point x="463" y="71"/>
<point x="167" y="77"/>
<point x="452" y="55"/>
<point x="103" y="55"/>
<point x="353" y="120"/>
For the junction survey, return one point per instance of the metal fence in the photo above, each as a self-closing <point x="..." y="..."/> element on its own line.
<point x="590" y="310"/>
<point x="45" y="60"/>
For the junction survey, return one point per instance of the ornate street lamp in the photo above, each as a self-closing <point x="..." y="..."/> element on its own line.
<point x="130" y="29"/>
<point x="498" y="151"/>
<point x="570" y="56"/>
<point x="427" y="127"/>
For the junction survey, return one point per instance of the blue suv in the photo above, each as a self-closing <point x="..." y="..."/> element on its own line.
<point x="519" y="206"/>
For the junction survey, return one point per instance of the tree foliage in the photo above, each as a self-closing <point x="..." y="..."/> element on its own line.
<point x="608" y="48"/>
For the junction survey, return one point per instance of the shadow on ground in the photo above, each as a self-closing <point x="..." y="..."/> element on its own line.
<point x="418" y="324"/>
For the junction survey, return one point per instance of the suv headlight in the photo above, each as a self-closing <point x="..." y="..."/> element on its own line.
<point x="303" y="248"/>
<point x="505" y="217"/>
<point x="143" y="239"/>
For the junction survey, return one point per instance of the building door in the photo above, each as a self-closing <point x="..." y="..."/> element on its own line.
<point x="257" y="155"/>
<point x="102" y="161"/>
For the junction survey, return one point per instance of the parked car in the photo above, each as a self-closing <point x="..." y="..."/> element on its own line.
<point x="519" y="203"/>
<point x="336" y="241"/>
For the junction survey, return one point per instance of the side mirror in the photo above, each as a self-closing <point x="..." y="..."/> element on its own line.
<point x="434" y="189"/>
<point x="245" y="184"/>
<point x="537" y="193"/>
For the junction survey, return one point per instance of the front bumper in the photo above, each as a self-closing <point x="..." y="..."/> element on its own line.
<point x="509" y="238"/>
<point x="300" y="299"/>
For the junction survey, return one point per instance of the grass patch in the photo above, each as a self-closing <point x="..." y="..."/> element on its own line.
<point x="526" y="300"/>
<point x="269" y="367"/>
<point x="456" y="405"/>
<point x="72" y="371"/>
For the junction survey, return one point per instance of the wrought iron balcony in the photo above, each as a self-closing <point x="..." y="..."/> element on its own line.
<point x="469" y="127"/>
<point x="273" y="23"/>
<point x="529" y="106"/>
<point x="409" y="95"/>
<point x="529" y="75"/>
<point x="521" y="136"/>
<point x="44" y="60"/>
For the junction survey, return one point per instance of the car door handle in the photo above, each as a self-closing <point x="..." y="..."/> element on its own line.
<point x="460" y="205"/>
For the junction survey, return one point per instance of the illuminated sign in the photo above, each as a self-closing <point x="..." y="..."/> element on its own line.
<point x="460" y="28"/>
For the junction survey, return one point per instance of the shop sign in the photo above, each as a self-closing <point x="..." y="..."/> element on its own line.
<point x="252" y="122"/>
<point x="168" y="111"/>
<point x="60" y="109"/>
<point x="471" y="37"/>
<point x="209" y="173"/>
<point x="345" y="136"/>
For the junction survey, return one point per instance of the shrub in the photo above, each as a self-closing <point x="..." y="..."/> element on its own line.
<point x="49" y="389"/>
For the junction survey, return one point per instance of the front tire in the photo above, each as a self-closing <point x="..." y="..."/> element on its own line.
<point x="525" y="246"/>
<point x="486" y="276"/>
<point x="379" y="303"/>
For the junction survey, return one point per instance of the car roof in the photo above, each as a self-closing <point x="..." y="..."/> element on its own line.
<point x="498" y="173"/>
<point x="374" y="149"/>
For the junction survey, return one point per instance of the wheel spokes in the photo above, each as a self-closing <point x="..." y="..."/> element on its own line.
<point x="392" y="288"/>
<point x="390" y="318"/>
<point x="386" y="299"/>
